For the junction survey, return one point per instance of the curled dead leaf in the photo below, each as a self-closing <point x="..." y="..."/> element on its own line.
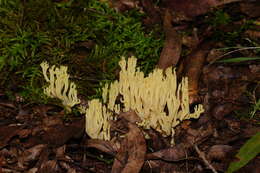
<point x="131" y="155"/>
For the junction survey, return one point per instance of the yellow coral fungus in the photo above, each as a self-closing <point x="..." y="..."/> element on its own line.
<point x="59" y="85"/>
<point x="97" y="120"/>
<point x="158" y="100"/>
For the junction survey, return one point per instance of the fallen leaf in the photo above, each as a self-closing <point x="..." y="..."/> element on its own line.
<point x="174" y="153"/>
<point x="105" y="146"/>
<point x="49" y="167"/>
<point x="60" y="151"/>
<point x="59" y="134"/>
<point x="170" y="54"/>
<point x="50" y="121"/>
<point x="9" y="155"/>
<point x="219" y="111"/>
<point x="226" y="87"/>
<point x="252" y="9"/>
<point x="159" y="166"/>
<point x="130" y="157"/>
<point x="181" y="150"/>
<point x="130" y="116"/>
<point x="7" y="132"/>
<point x="24" y="133"/>
<point x="123" y="5"/>
<point x="193" y="69"/>
<point x="33" y="170"/>
<point x="219" y="152"/>
<point x="197" y="136"/>
<point x="158" y="141"/>
<point x="192" y="8"/>
<point x="8" y="104"/>
<point x="152" y="12"/>
<point x="253" y="34"/>
<point x="23" y="114"/>
<point x="42" y="110"/>
<point x="30" y="155"/>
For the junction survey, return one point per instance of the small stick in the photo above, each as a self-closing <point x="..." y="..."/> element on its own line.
<point x="202" y="156"/>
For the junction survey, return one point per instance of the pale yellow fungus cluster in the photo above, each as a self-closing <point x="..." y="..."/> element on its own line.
<point x="97" y="120"/>
<point x="159" y="101"/>
<point x="59" y="85"/>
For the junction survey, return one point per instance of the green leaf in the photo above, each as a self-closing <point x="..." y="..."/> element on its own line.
<point x="239" y="59"/>
<point x="246" y="153"/>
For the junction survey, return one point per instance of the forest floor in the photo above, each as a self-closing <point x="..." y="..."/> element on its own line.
<point x="216" y="44"/>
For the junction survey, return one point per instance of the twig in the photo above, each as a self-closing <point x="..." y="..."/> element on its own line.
<point x="202" y="156"/>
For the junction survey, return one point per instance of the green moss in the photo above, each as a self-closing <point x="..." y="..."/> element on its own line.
<point x="35" y="31"/>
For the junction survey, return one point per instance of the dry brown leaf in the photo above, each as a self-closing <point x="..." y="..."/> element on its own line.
<point x="8" y="104"/>
<point x="193" y="66"/>
<point x="227" y="85"/>
<point x="123" y="5"/>
<point x="158" y="141"/>
<point x="251" y="9"/>
<point x="253" y="34"/>
<point x="250" y="131"/>
<point x="30" y="155"/>
<point x="220" y="110"/>
<point x="180" y="151"/>
<point x="159" y="166"/>
<point x="33" y="170"/>
<point x="170" y="54"/>
<point x="50" y="121"/>
<point x="130" y="157"/>
<point x="60" y="151"/>
<point x="219" y="152"/>
<point x="152" y="12"/>
<point x="24" y="115"/>
<point x="191" y="41"/>
<point x="24" y="133"/>
<point x="197" y="136"/>
<point x="193" y="8"/>
<point x="59" y="134"/>
<point x="130" y="116"/>
<point x="42" y="110"/>
<point x="49" y="167"/>
<point x="108" y="147"/>
<point x="67" y="167"/>
<point x="213" y="55"/>
<point x="7" y="132"/>
<point x="174" y="153"/>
